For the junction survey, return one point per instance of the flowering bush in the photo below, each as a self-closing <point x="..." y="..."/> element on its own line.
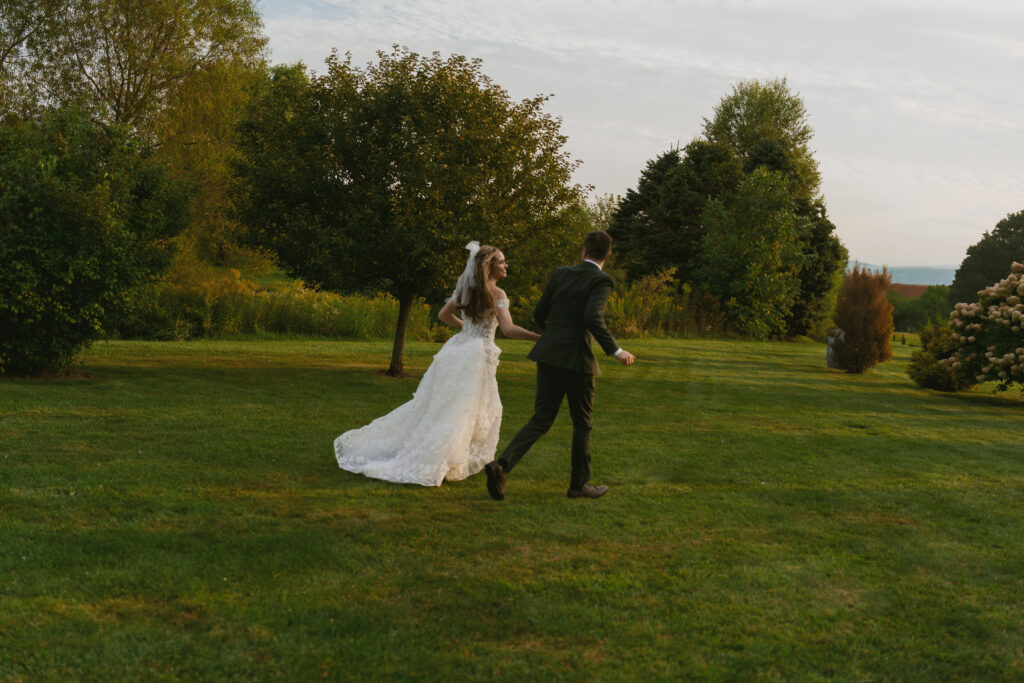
<point x="926" y="366"/>
<point x="988" y="335"/>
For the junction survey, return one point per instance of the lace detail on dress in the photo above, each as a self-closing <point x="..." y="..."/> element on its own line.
<point x="449" y="430"/>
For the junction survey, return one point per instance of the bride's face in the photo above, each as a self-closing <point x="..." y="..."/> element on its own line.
<point x="499" y="268"/>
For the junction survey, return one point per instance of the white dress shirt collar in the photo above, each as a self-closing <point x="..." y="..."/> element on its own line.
<point x="586" y="260"/>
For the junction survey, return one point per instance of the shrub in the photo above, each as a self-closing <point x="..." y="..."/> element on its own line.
<point x="85" y="214"/>
<point x="864" y="314"/>
<point x="988" y="334"/>
<point x="926" y="367"/>
<point x="196" y="302"/>
<point x="647" y="305"/>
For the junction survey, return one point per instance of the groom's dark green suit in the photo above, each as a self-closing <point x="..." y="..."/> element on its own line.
<point x="571" y="315"/>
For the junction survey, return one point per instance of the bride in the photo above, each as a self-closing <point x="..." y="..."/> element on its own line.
<point x="449" y="430"/>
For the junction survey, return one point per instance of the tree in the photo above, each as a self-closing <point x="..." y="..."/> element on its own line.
<point x="128" y="61"/>
<point x="174" y="71"/>
<point x="86" y="212"/>
<point x="864" y="315"/>
<point x="375" y="178"/>
<point x="659" y="225"/>
<point x="761" y="119"/>
<point x="988" y="335"/>
<point x="23" y="30"/>
<point x="915" y="313"/>
<point x="751" y="254"/>
<point x="824" y="258"/>
<point x="765" y="125"/>
<point x="759" y="126"/>
<point x="989" y="259"/>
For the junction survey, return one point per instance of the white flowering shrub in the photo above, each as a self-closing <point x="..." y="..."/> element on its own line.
<point x="988" y="336"/>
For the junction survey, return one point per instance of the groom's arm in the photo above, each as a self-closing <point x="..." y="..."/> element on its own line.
<point x="543" y="308"/>
<point x="593" y="316"/>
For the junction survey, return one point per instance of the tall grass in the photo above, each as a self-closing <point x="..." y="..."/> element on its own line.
<point x="216" y="303"/>
<point x="230" y="305"/>
<point x="654" y="305"/>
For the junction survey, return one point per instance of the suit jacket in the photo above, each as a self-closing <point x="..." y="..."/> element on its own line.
<point x="571" y="315"/>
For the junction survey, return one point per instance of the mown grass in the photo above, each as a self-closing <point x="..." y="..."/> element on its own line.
<point x="178" y="514"/>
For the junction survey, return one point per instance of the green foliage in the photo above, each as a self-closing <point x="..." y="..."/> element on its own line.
<point x="175" y="71"/>
<point x="864" y="315"/>
<point x="915" y="313"/>
<point x="26" y="29"/>
<point x="656" y="305"/>
<point x="989" y="259"/>
<point x="766" y="123"/>
<point x="759" y="127"/>
<point x="927" y="368"/>
<point x="129" y="62"/>
<point x="374" y="179"/>
<point x="225" y="305"/>
<point x="989" y="334"/>
<point x="86" y="212"/>
<point x="751" y="255"/>
<point x="659" y="225"/>
<point x="823" y="261"/>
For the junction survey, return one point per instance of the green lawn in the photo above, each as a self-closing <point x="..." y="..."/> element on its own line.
<point x="178" y="514"/>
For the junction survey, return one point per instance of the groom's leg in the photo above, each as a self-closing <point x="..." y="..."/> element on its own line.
<point x="550" y="391"/>
<point x="581" y="407"/>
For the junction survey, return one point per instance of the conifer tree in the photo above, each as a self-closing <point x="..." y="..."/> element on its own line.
<point x="864" y="315"/>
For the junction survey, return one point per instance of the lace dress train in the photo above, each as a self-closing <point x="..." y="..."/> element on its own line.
<point x="449" y="429"/>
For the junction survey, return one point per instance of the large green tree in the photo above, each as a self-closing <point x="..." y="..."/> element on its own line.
<point x="25" y="29"/>
<point x="751" y="254"/>
<point x="86" y="213"/>
<point x="375" y="178"/>
<point x="989" y="259"/>
<point x="758" y="127"/>
<point x="765" y="124"/>
<point x="131" y="61"/>
<point x="659" y="225"/>
<point x="174" y="71"/>
<point x="759" y="119"/>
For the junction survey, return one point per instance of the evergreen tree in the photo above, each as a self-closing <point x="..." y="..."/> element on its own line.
<point x="989" y="259"/>
<point x="864" y="315"/>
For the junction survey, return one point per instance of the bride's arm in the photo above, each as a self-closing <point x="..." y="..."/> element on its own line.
<point x="447" y="314"/>
<point x="511" y="330"/>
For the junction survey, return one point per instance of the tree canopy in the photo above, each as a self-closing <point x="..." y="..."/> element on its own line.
<point x="754" y="157"/>
<point x="989" y="259"/>
<point x="761" y="120"/>
<point x="375" y="178"/>
<point x="174" y="71"/>
<point x="86" y="213"/>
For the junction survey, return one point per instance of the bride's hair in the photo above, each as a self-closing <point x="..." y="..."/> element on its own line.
<point x="481" y="298"/>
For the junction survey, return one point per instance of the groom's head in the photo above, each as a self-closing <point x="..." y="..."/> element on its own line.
<point x="597" y="245"/>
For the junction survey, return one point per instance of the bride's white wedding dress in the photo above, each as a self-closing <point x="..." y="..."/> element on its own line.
<point x="449" y="430"/>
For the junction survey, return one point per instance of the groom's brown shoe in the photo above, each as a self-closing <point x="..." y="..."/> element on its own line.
<point x="496" y="478"/>
<point x="588" y="491"/>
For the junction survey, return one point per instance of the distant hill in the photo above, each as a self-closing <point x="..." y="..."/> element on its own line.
<point x="917" y="275"/>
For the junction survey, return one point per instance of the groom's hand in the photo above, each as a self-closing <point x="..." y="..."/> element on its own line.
<point x="626" y="358"/>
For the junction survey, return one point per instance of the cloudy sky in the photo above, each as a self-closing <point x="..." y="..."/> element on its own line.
<point x="916" y="105"/>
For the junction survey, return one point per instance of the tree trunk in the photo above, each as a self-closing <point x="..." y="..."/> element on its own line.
<point x="398" y="350"/>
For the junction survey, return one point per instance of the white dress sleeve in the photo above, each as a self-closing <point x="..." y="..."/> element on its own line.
<point x="502" y="304"/>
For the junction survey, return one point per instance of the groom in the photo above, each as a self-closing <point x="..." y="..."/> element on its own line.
<point x="571" y="315"/>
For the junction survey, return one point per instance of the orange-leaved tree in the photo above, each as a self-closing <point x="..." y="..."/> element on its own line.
<point x="864" y="315"/>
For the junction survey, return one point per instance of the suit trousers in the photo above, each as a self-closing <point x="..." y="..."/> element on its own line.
<point x="554" y="384"/>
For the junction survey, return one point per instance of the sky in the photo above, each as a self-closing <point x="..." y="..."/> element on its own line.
<point x="916" y="105"/>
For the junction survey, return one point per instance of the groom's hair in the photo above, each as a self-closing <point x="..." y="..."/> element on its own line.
<point x="597" y="243"/>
